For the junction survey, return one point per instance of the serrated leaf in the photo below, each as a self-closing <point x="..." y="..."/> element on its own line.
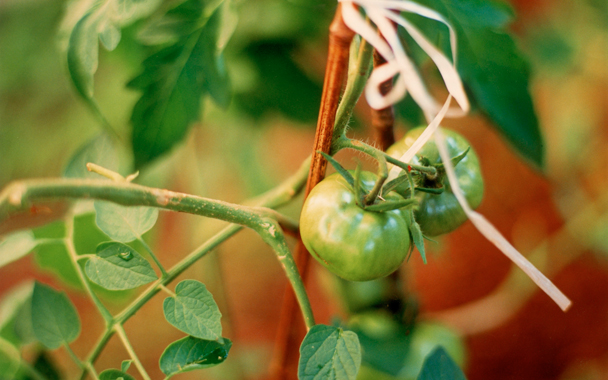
<point x="329" y="352"/>
<point x="114" y="374"/>
<point x="10" y="359"/>
<point x="194" y="311"/>
<point x="173" y="82"/>
<point x="54" y="318"/>
<point x="98" y="20"/>
<point x="99" y="150"/>
<point x="281" y="86"/>
<point x="439" y="366"/>
<point x="493" y="68"/>
<point x="118" y="267"/>
<point x="189" y="353"/>
<point x="15" y="246"/>
<point x="122" y="223"/>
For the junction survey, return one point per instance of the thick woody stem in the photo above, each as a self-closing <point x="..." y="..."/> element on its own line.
<point x="288" y="339"/>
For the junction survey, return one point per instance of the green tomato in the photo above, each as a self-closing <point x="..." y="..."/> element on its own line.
<point x="441" y="213"/>
<point x="353" y="243"/>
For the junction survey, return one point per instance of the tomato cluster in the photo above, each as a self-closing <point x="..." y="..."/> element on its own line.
<point x="361" y="243"/>
<point x="441" y="213"/>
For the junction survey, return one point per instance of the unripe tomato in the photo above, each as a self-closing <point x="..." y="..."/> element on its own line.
<point x="440" y="213"/>
<point x="353" y="243"/>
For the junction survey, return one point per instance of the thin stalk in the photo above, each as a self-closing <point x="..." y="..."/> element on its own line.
<point x="73" y="356"/>
<point x="69" y="244"/>
<point x="120" y="331"/>
<point x="273" y="235"/>
<point x="95" y="352"/>
<point x="147" y="248"/>
<point x="357" y="78"/>
<point x="276" y="197"/>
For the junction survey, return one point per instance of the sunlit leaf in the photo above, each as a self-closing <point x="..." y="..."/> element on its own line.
<point x="98" y="20"/>
<point x="189" y="353"/>
<point x="100" y="150"/>
<point x="54" y="318"/>
<point x="194" y="311"/>
<point x="15" y="323"/>
<point x="439" y="366"/>
<point x="15" y="246"/>
<point x="114" y="374"/>
<point x="122" y="223"/>
<point x="118" y="267"/>
<point x="10" y="359"/>
<point x="329" y="353"/>
<point x="174" y="80"/>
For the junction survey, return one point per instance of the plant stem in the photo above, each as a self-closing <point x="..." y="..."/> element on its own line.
<point x="69" y="244"/>
<point x="340" y="37"/>
<point x="273" y="235"/>
<point x="125" y="341"/>
<point x="158" y="264"/>
<point x="357" y="77"/>
<point x="73" y="356"/>
<point x="276" y="197"/>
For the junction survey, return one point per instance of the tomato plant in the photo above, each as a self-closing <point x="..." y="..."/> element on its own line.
<point x="441" y="213"/>
<point x="104" y="224"/>
<point x="354" y="243"/>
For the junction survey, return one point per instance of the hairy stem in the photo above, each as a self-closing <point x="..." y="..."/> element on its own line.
<point x="340" y="37"/>
<point x="273" y="198"/>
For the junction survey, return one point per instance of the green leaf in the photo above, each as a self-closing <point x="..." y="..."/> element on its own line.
<point x="418" y="238"/>
<point x="193" y="311"/>
<point x="54" y="318"/>
<point x="329" y="352"/>
<point x="10" y="359"/>
<point x="56" y="259"/>
<point x="124" y="224"/>
<point x="439" y="366"/>
<point x="173" y="81"/>
<point x="15" y="246"/>
<point x="99" y="150"/>
<point x="279" y="84"/>
<point x="114" y="374"/>
<point x="45" y="366"/>
<point x="15" y="323"/>
<point x="391" y="205"/>
<point x="100" y="19"/>
<point x="339" y="168"/>
<point x="189" y="353"/>
<point x="118" y="267"/>
<point x="124" y="366"/>
<point x="494" y="69"/>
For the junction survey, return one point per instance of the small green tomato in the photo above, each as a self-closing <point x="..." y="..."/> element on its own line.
<point x="353" y="243"/>
<point x="441" y="213"/>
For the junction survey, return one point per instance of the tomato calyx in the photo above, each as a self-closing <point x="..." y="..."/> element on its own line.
<point x="379" y="203"/>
